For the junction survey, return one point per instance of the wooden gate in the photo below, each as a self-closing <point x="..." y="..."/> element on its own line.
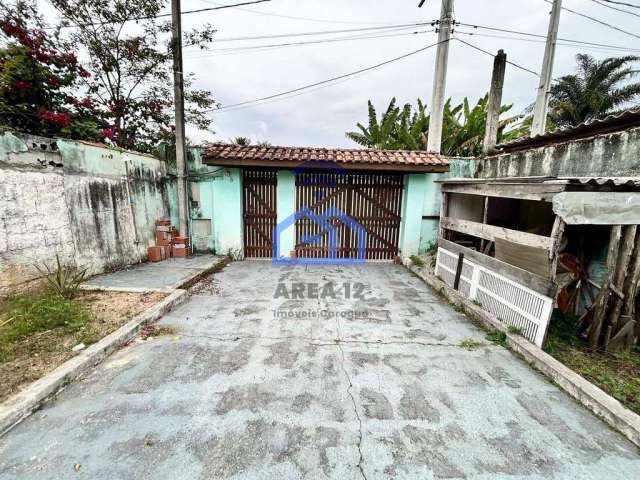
<point x="259" y="212"/>
<point x="372" y="200"/>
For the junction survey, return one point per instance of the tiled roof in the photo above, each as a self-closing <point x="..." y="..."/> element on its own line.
<point x="293" y="156"/>
<point x="615" y="122"/>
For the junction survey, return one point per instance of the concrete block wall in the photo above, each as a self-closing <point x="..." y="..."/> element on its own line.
<point x="71" y="199"/>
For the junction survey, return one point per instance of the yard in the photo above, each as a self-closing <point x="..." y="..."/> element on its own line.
<point x="262" y="378"/>
<point x="40" y="329"/>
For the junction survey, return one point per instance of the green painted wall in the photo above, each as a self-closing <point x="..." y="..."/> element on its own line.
<point x="459" y="168"/>
<point x="227" y="212"/>
<point x="286" y="206"/>
<point x="415" y="191"/>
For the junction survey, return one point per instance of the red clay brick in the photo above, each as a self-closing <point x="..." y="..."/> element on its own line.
<point x="154" y="254"/>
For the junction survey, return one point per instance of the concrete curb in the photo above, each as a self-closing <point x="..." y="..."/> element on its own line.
<point x="21" y="405"/>
<point x="593" y="398"/>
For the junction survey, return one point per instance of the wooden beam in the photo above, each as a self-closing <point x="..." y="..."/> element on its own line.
<point x="491" y="232"/>
<point x="522" y="191"/>
<point x="528" y="279"/>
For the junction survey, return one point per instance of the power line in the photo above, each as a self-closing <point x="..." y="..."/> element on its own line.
<point x="632" y="5"/>
<point x="323" y="82"/>
<point x="259" y="48"/>
<point x="162" y="15"/>
<point x="616" y="8"/>
<point x="493" y="55"/>
<point x="584" y="42"/>
<point x="307" y="19"/>
<point x="593" y="19"/>
<point x="567" y="43"/>
<point x="325" y="32"/>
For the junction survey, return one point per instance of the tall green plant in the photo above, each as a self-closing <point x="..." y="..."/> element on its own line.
<point x="63" y="280"/>
<point x="408" y="128"/>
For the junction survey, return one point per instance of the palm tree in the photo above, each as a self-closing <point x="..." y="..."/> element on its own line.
<point x="597" y="89"/>
<point x="406" y="129"/>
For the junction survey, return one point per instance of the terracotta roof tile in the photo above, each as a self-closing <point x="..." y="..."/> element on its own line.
<point x="275" y="155"/>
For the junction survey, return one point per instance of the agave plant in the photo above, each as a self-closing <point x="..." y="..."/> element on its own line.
<point x="63" y="280"/>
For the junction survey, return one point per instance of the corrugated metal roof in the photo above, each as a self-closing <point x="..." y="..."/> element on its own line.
<point x="612" y="123"/>
<point x="275" y="156"/>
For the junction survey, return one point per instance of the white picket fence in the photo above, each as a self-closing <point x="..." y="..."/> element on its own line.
<point x="512" y="303"/>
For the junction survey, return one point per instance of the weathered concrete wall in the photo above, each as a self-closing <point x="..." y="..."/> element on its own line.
<point x="72" y="199"/>
<point x="611" y="155"/>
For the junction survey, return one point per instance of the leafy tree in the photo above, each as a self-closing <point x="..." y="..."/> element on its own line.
<point x="131" y="68"/>
<point x="39" y="76"/>
<point x="597" y="89"/>
<point x="407" y="129"/>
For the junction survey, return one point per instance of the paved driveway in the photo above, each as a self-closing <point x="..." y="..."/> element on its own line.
<point x="242" y="393"/>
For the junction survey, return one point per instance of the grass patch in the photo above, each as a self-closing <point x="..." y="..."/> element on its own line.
<point x="618" y="374"/>
<point x="25" y="315"/>
<point x="514" y="330"/>
<point x="497" y="337"/>
<point x="39" y="329"/>
<point x="470" y="344"/>
<point x="416" y="261"/>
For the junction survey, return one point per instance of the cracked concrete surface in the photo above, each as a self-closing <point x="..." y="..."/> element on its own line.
<point x="240" y="392"/>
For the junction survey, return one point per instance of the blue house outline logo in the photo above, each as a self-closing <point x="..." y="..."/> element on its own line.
<point x="324" y="221"/>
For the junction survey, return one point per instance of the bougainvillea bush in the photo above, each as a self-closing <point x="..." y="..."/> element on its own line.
<point x="40" y="80"/>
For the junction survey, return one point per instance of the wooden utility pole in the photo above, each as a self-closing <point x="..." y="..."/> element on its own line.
<point x="178" y="89"/>
<point x="434" y="141"/>
<point x="494" y="103"/>
<point x="542" y="100"/>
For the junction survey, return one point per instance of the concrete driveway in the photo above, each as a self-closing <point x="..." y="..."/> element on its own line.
<point x="240" y="392"/>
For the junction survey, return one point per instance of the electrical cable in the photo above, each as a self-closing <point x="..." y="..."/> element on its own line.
<point x="593" y="19"/>
<point x="259" y="48"/>
<point x="616" y="8"/>
<point x="162" y="15"/>
<point x="323" y="82"/>
<point x="307" y="19"/>
<point x="493" y="55"/>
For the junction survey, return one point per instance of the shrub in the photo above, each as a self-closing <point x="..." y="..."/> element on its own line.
<point x="63" y="280"/>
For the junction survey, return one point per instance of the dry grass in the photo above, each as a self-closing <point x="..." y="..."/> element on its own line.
<point x="43" y="329"/>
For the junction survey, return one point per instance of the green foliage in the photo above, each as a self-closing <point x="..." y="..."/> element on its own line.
<point x="63" y="280"/>
<point x="598" y="88"/>
<point x="25" y="315"/>
<point x="243" y="141"/>
<point x="618" y="374"/>
<point x="514" y="330"/>
<point x="407" y="129"/>
<point x="417" y="261"/>
<point x="498" y="337"/>
<point x="39" y="78"/>
<point x="470" y="344"/>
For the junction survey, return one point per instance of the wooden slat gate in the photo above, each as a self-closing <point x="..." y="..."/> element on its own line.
<point x="372" y="200"/>
<point x="259" y="212"/>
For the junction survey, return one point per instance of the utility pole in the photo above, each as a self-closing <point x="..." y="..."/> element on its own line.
<point x="494" y="103"/>
<point x="434" y="141"/>
<point x="542" y="100"/>
<point x="178" y="89"/>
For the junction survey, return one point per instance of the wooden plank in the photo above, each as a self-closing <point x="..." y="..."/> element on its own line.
<point x="523" y="191"/>
<point x="530" y="280"/>
<point x="491" y="232"/>
<point x="531" y="259"/>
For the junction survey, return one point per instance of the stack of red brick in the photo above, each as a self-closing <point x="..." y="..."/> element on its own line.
<point x="169" y="243"/>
